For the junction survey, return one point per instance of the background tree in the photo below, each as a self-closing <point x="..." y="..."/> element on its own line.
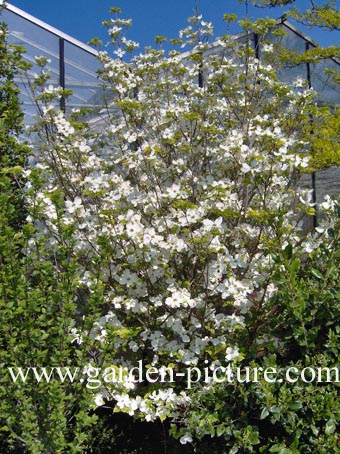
<point x="324" y="15"/>
<point x="13" y="154"/>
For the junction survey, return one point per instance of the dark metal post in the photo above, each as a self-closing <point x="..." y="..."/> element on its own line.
<point x="62" y="71"/>
<point x="200" y="73"/>
<point x="309" y="80"/>
<point x="257" y="45"/>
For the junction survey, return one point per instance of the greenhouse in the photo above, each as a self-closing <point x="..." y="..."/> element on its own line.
<point x="71" y="63"/>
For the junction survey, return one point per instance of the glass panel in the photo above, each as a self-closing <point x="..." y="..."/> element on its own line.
<point x="80" y="64"/>
<point x="293" y="42"/>
<point x="37" y="42"/>
<point x="327" y="182"/>
<point x="81" y="77"/>
<point x="239" y="40"/>
<point x="323" y="82"/>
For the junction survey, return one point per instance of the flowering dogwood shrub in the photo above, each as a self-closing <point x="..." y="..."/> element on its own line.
<point x="174" y="202"/>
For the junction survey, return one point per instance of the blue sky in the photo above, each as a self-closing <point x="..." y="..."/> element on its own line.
<point x="82" y="18"/>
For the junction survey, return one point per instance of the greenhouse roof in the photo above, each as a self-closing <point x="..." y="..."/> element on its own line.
<point x="71" y="63"/>
<point x="318" y="73"/>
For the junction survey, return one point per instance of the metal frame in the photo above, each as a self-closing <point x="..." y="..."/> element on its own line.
<point x="50" y="29"/>
<point x="59" y="53"/>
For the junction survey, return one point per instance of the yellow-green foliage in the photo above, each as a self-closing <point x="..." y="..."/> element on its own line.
<point x="325" y="139"/>
<point x="326" y="15"/>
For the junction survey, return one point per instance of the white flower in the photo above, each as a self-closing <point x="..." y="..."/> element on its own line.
<point x="231" y="353"/>
<point x="99" y="399"/>
<point x="301" y="162"/>
<point x="308" y="246"/>
<point x="119" y="52"/>
<point x="114" y="31"/>
<point x="73" y="206"/>
<point x="180" y="298"/>
<point x="134" y="346"/>
<point x="328" y="203"/>
<point x="245" y="168"/>
<point x="77" y="336"/>
<point x="267" y="48"/>
<point x="174" y="191"/>
<point x="167" y="134"/>
<point x="320" y="229"/>
<point x="101" y="337"/>
<point x="187" y="438"/>
<point x="131" y="137"/>
<point x="128" y="278"/>
<point x="212" y="225"/>
<point x="299" y="82"/>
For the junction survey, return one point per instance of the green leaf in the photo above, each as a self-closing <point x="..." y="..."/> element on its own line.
<point x="330" y="427"/>
<point x="254" y="438"/>
<point x="279" y="449"/>
<point x="264" y="413"/>
<point x="317" y="273"/>
<point x="294" y="267"/>
<point x="288" y="251"/>
<point x="295" y="405"/>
